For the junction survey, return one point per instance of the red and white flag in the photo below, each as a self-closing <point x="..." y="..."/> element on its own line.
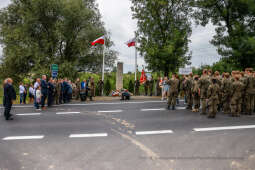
<point x="143" y="77"/>
<point x="98" y="41"/>
<point x="131" y="42"/>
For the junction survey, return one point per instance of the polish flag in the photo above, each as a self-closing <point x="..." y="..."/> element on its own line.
<point x="131" y="42"/>
<point x="98" y="41"/>
<point x="143" y="77"/>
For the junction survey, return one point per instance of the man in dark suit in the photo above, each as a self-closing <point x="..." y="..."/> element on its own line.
<point x="44" y="91"/>
<point x="9" y="96"/>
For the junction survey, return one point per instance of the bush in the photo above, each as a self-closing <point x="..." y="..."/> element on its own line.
<point x="107" y="87"/>
<point x="131" y="86"/>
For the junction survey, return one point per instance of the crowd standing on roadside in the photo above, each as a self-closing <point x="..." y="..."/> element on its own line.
<point x="234" y="93"/>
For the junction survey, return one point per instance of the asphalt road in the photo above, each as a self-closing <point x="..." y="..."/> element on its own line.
<point x="134" y="135"/>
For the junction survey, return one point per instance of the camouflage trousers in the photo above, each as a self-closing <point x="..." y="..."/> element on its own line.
<point x="196" y="101"/>
<point x="249" y="103"/>
<point x="213" y="104"/>
<point x="189" y="99"/>
<point x="172" y="99"/>
<point x="236" y="107"/>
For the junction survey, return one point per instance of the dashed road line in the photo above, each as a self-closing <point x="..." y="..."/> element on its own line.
<point x="88" y="135"/>
<point x="158" y="109"/>
<point x="66" y="113"/>
<point x="180" y="108"/>
<point x="28" y="114"/>
<point x="110" y="111"/>
<point x="23" y="137"/>
<point x="224" y="128"/>
<point x="154" y="132"/>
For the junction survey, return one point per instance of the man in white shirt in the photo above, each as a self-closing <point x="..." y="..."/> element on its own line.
<point x="36" y="85"/>
<point x="21" y="93"/>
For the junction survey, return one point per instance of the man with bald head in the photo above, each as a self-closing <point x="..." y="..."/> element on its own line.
<point x="9" y="96"/>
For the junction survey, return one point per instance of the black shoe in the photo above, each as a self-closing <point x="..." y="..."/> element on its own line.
<point x="9" y="118"/>
<point x="168" y="107"/>
<point x="173" y="108"/>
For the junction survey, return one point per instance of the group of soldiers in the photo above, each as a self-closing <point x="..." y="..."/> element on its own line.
<point x="233" y="93"/>
<point x="148" y="87"/>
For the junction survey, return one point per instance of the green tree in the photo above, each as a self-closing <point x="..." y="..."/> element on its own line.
<point x="163" y="33"/>
<point x="234" y="21"/>
<point x="107" y="87"/>
<point x="38" y="33"/>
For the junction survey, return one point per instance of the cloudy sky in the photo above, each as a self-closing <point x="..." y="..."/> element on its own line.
<point x="118" y="20"/>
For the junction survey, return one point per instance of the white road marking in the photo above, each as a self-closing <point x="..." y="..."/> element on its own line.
<point x="66" y="113"/>
<point x="110" y="111"/>
<point x="154" y="132"/>
<point x="144" y="110"/>
<point x="224" y="128"/>
<point x="180" y="108"/>
<point x="23" y="137"/>
<point x="28" y="114"/>
<point x="88" y="135"/>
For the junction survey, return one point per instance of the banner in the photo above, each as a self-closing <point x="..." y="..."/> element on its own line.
<point x="185" y="71"/>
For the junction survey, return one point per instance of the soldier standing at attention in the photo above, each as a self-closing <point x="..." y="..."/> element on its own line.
<point x="151" y="85"/>
<point x="188" y="90"/>
<point x="203" y="83"/>
<point x="236" y="96"/>
<point x="219" y="82"/>
<point x="250" y="91"/>
<point x="100" y="86"/>
<point x="243" y="79"/>
<point x="158" y="87"/>
<point x="58" y="91"/>
<point x="78" y="88"/>
<point x="137" y="86"/>
<point x="146" y="86"/>
<point x="226" y="93"/>
<point x="172" y="91"/>
<point x="213" y="98"/>
<point x="196" y="94"/>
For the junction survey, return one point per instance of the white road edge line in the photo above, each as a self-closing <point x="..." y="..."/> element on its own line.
<point x="88" y="135"/>
<point x="28" y="114"/>
<point x="144" y="110"/>
<point x="154" y="132"/>
<point x="65" y="113"/>
<point x="110" y="111"/>
<point x="224" y="128"/>
<point x="23" y="137"/>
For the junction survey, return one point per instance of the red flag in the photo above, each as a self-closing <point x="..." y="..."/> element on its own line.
<point x="131" y="42"/>
<point x="98" y="41"/>
<point x="143" y="77"/>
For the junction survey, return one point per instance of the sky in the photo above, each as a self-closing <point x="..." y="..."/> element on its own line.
<point x="117" y="17"/>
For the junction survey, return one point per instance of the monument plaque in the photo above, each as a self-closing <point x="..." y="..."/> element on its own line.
<point x="119" y="76"/>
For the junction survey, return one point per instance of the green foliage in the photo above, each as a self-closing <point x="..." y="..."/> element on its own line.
<point x="235" y="28"/>
<point x="163" y="33"/>
<point x="38" y="33"/>
<point x="107" y="87"/>
<point x="131" y="86"/>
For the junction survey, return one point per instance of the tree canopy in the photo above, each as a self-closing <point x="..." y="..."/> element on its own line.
<point x="163" y="33"/>
<point x="235" y="28"/>
<point x="37" y="33"/>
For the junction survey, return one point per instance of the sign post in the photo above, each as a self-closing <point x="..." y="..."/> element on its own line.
<point x="54" y="70"/>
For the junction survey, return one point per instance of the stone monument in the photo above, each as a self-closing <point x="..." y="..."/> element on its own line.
<point x="119" y="76"/>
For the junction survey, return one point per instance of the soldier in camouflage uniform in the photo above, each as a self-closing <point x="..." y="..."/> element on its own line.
<point x="204" y="83"/>
<point x="213" y="98"/>
<point x="137" y="85"/>
<point x="219" y="82"/>
<point x="78" y="88"/>
<point x="146" y="86"/>
<point x="151" y="85"/>
<point x="188" y="87"/>
<point x="172" y="91"/>
<point x="196" y="94"/>
<point x="243" y="79"/>
<point x="236" y="96"/>
<point x="250" y="91"/>
<point x="58" y="91"/>
<point x="226" y="93"/>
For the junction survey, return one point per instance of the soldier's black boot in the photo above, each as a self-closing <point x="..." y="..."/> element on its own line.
<point x="173" y="108"/>
<point x="168" y="107"/>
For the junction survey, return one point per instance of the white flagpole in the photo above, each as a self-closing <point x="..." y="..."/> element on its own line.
<point x="135" y="62"/>
<point x="103" y="62"/>
<point x="103" y="67"/>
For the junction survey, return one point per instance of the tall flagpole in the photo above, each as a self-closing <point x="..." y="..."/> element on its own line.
<point x="103" y="67"/>
<point x="103" y="62"/>
<point x="135" y="61"/>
